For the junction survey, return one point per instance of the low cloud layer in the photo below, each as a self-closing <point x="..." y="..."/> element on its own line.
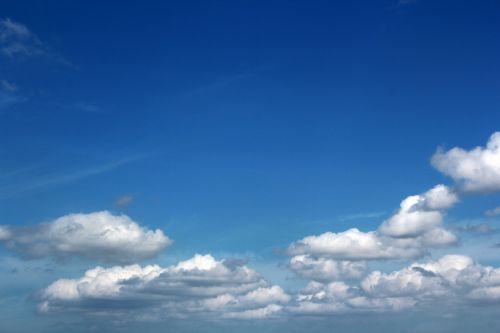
<point x="100" y="236"/>
<point x="450" y="281"/>
<point x="198" y="287"/>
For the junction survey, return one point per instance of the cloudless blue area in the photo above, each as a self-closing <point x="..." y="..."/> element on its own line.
<point x="241" y="126"/>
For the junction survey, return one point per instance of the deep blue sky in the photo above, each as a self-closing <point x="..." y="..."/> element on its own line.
<point x="241" y="126"/>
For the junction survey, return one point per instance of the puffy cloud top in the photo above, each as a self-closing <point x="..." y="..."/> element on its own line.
<point x="418" y="214"/>
<point x="409" y="233"/>
<point x="451" y="279"/>
<point x="100" y="235"/>
<point x="200" y="286"/>
<point x="476" y="170"/>
<point x="453" y="276"/>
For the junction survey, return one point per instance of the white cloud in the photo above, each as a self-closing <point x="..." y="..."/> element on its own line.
<point x="200" y="286"/>
<point x="476" y="170"/>
<point x="414" y="229"/>
<point x="99" y="235"/>
<point x="453" y="279"/>
<point x="418" y="214"/>
<point x="338" y="297"/>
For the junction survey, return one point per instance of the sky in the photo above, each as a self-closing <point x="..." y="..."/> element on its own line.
<point x="271" y="166"/>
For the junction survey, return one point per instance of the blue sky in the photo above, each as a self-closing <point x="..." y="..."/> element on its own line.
<point x="237" y="129"/>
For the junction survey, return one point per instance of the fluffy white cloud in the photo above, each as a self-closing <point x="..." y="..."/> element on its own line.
<point x="200" y="286"/>
<point x="338" y="297"/>
<point x="410" y="232"/>
<point x="451" y="279"/>
<point x="99" y="235"/>
<point x="453" y="276"/>
<point x="419" y="214"/>
<point x="476" y="170"/>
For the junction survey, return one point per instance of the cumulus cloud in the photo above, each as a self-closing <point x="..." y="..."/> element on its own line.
<point x="100" y="235"/>
<point x="456" y="277"/>
<point x="453" y="279"/>
<point x="420" y="213"/>
<point x="476" y="170"/>
<point x="338" y="297"/>
<point x="414" y="229"/>
<point x="198" y="287"/>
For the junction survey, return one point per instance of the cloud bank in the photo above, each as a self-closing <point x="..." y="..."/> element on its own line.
<point x="198" y="287"/>
<point x="453" y="280"/>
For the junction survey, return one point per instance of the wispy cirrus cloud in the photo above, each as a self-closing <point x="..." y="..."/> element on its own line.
<point x="17" y="42"/>
<point x="9" y="95"/>
<point x="9" y="86"/>
<point x="8" y="191"/>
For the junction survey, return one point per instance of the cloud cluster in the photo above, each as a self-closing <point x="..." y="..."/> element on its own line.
<point x="414" y="229"/>
<point x="200" y="286"/>
<point x="336" y="264"/>
<point x="453" y="279"/>
<point x="100" y="236"/>
<point x="476" y="170"/>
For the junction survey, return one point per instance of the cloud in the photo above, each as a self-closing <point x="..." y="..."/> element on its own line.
<point x="414" y="229"/>
<point x="453" y="279"/>
<point x="17" y="41"/>
<point x="324" y="269"/>
<point x="68" y="177"/>
<point x="419" y="213"/>
<point x="493" y="212"/>
<point x="338" y="297"/>
<point x="480" y="228"/>
<point x="198" y="287"/>
<point x="9" y="86"/>
<point x="476" y="170"/>
<point x="124" y="201"/>
<point x="100" y="236"/>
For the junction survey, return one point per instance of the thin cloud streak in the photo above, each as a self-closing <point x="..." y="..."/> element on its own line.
<point x="69" y="177"/>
